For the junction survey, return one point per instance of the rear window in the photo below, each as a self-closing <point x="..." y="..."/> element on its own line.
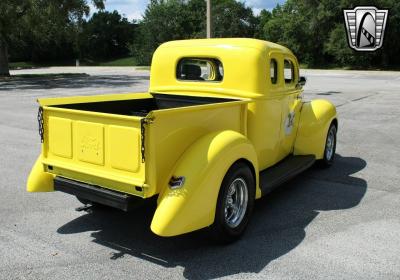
<point x="273" y="71"/>
<point x="200" y="69"/>
<point x="288" y="71"/>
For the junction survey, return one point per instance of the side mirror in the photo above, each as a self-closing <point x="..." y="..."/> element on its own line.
<point x="302" y="81"/>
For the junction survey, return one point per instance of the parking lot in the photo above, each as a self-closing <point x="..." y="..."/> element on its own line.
<point x="337" y="223"/>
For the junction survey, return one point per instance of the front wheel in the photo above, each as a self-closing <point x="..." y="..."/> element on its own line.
<point x="235" y="204"/>
<point x="330" y="146"/>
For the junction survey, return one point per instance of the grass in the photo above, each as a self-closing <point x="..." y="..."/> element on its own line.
<point x="43" y="76"/>
<point x="142" y="67"/>
<point x="324" y="67"/>
<point x="21" y="65"/>
<point x="125" y="61"/>
<point x="32" y="65"/>
<point x="332" y="66"/>
<point x="50" y="75"/>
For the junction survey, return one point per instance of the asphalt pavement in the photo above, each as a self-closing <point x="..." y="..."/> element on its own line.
<point x="336" y="223"/>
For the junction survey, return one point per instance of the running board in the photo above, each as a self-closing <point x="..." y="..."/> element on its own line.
<point x="285" y="170"/>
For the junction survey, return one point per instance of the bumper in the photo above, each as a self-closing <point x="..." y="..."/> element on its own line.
<point x="97" y="194"/>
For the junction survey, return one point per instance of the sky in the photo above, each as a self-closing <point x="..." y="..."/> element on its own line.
<point x="133" y="9"/>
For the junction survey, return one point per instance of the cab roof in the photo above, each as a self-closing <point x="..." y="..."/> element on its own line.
<point x="228" y="42"/>
<point x="245" y="66"/>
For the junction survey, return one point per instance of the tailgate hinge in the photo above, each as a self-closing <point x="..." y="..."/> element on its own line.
<point x="143" y="123"/>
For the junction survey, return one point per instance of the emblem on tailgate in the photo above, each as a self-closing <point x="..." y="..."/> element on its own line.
<point x="89" y="143"/>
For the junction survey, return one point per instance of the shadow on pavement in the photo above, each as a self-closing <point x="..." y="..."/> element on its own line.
<point x="328" y="92"/>
<point x="277" y="227"/>
<point x="69" y="80"/>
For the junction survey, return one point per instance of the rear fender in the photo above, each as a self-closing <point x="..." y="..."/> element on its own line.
<point x="204" y="166"/>
<point x="315" y="119"/>
<point x="39" y="180"/>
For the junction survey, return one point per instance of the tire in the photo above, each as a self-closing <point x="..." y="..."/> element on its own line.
<point x="330" y="147"/>
<point x="234" y="205"/>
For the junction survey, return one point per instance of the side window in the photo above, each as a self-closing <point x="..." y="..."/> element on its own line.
<point x="200" y="69"/>
<point x="288" y="71"/>
<point x="273" y="70"/>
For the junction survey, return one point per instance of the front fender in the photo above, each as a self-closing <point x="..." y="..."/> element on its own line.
<point x="315" y="119"/>
<point x="204" y="166"/>
<point x="39" y="180"/>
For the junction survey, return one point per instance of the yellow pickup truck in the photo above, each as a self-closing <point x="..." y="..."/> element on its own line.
<point x="222" y="124"/>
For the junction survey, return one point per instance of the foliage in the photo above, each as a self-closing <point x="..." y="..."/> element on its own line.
<point x="106" y="35"/>
<point x="337" y="46"/>
<point x="126" y="61"/>
<point x="41" y="29"/>
<point x="315" y="31"/>
<point x="177" y="19"/>
<point x="232" y="19"/>
<point x="165" y="21"/>
<point x="51" y="31"/>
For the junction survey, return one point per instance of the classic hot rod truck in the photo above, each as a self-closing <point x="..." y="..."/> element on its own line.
<point x="223" y="123"/>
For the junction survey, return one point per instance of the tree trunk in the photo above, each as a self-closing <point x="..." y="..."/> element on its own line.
<point x="4" y="70"/>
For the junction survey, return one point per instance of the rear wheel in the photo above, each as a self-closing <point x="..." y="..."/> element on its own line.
<point x="235" y="204"/>
<point x="330" y="146"/>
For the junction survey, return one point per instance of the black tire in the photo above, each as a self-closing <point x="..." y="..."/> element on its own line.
<point x="225" y="229"/>
<point x="330" y="147"/>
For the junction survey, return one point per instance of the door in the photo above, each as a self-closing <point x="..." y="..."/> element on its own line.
<point x="291" y="105"/>
<point x="265" y="115"/>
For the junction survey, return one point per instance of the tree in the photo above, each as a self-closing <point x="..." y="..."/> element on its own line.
<point x="106" y="35"/>
<point x="337" y="46"/>
<point x="44" y="20"/>
<point x="315" y="32"/>
<point x="302" y="27"/>
<point x="262" y="19"/>
<point x="232" y="19"/>
<point x="54" y="30"/>
<point x="11" y="11"/>
<point x="166" y="20"/>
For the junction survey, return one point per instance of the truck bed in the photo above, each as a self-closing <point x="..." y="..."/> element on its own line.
<point x="141" y="107"/>
<point x="129" y="143"/>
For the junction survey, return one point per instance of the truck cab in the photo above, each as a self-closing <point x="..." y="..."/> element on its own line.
<point x="222" y="124"/>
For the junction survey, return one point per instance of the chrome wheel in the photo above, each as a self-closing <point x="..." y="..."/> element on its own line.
<point x="236" y="202"/>
<point x="330" y="143"/>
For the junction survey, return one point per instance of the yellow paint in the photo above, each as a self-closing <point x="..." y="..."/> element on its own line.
<point x="173" y="131"/>
<point x="244" y="62"/>
<point x="97" y="98"/>
<point x="264" y="123"/>
<point x="99" y="143"/>
<point x="316" y="117"/>
<point x="204" y="166"/>
<point x="127" y="157"/>
<point x="60" y="146"/>
<point x="39" y="180"/>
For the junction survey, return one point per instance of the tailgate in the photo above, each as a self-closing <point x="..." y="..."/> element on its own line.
<point x="96" y="148"/>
